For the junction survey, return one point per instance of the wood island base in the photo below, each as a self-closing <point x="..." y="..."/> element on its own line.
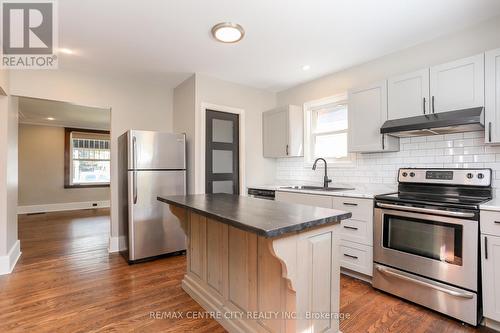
<point x="249" y="283"/>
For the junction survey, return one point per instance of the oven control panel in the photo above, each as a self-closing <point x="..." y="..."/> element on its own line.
<point x="470" y="177"/>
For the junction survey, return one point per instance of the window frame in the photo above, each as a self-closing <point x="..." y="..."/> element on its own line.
<point x="310" y="115"/>
<point x="68" y="153"/>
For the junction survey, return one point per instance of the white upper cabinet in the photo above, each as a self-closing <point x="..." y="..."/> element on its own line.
<point x="367" y="112"/>
<point x="283" y="132"/>
<point x="408" y="95"/>
<point x="457" y="85"/>
<point x="492" y="96"/>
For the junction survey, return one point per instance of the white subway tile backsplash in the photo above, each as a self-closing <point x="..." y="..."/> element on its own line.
<point x="454" y="136"/>
<point x="453" y="151"/>
<point x="435" y="138"/>
<point x="458" y="150"/>
<point x="444" y="144"/>
<point x="418" y="139"/>
<point x="473" y="135"/>
<point x="463" y="143"/>
<point x="462" y="158"/>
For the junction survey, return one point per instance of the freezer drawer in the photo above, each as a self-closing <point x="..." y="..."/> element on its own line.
<point x="156" y="150"/>
<point x="153" y="229"/>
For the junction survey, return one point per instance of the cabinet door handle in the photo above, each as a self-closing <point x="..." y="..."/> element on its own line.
<point x="349" y="227"/>
<point x="383" y="141"/>
<point x="286" y="150"/>
<point x="497" y="222"/>
<point x="424" y="105"/>
<point x="350" y="204"/>
<point x="350" y="256"/>
<point x="489" y="131"/>
<point x="433" y="107"/>
<point x="485" y="247"/>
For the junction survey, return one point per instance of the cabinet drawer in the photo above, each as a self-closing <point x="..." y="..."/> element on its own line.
<point x="357" y="231"/>
<point x="305" y="199"/>
<point x="361" y="209"/>
<point x="490" y="223"/>
<point x="356" y="257"/>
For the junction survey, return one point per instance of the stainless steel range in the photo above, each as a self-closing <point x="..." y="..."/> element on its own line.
<point x="426" y="239"/>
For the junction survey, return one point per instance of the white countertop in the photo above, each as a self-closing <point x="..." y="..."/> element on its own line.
<point x="272" y="187"/>
<point x="493" y="204"/>
<point x="360" y="190"/>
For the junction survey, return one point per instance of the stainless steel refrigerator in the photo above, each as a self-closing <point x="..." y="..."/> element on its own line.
<point x="150" y="164"/>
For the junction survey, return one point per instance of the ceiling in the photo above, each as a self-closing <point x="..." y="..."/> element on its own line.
<point x="36" y="111"/>
<point x="172" y="37"/>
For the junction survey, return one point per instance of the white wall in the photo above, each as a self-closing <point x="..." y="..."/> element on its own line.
<point x="465" y="43"/>
<point x="135" y="102"/>
<point x="9" y="244"/>
<point x="258" y="170"/>
<point x="457" y="150"/>
<point x="12" y="172"/>
<point x="41" y="169"/>
<point x="184" y="120"/>
<point x="200" y="89"/>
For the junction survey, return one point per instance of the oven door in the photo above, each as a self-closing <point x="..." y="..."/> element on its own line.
<point x="438" y="247"/>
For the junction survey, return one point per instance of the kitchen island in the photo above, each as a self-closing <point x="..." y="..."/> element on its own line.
<point x="261" y="266"/>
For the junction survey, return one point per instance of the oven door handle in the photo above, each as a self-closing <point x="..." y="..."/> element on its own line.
<point x="393" y="273"/>
<point x="426" y="210"/>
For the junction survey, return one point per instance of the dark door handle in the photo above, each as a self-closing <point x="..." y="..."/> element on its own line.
<point x="286" y="150"/>
<point x="383" y="141"/>
<point x="350" y="204"/>
<point x="349" y="256"/>
<point x="489" y="131"/>
<point x="497" y="222"/>
<point x="433" y="107"/>
<point x="352" y="228"/>
<point x="485" y="247"/>
<point x="424" y="105"/>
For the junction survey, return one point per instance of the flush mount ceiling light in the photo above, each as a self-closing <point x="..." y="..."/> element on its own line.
<point x="66" y="51"/>
<point x="50" y="118"/>
<point x="227" y="32"/>
<point x="306" y="67"/>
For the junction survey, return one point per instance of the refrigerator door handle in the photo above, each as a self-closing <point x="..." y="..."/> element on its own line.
<point x="134" y="161"/>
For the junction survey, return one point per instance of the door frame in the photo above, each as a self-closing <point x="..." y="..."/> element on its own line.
<point x="200" y="151"/>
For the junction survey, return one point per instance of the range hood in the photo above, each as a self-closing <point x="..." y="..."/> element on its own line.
<point x="466" y="120"/>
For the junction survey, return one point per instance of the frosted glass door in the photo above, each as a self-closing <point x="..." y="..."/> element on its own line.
<point x="222" y="153"/>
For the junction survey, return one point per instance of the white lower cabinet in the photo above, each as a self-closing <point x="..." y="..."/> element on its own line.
<point x="491" y="276"/>
<point x="490" y="264"/>
<point x="324" y="201"/>
<point x="356" y="233"/>
<point x="356" y="257"/>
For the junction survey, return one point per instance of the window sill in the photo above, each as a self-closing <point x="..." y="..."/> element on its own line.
<point x="87" y="186"/>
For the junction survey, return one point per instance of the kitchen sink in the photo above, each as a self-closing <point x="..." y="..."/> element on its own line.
<point x="318" y="188"/>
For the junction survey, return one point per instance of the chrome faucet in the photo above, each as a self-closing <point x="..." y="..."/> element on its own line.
<point x="326" y="180"/>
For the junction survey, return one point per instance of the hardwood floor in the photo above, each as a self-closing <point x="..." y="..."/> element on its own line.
<point x="66" y="281"/>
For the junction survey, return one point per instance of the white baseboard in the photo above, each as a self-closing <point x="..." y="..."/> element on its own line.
<point x="117" y="244"/>
<point x="62" y="207"/>
<point x="356" y="275"/>
<point x="494" y="325"/>
<point x="8" y="261"/>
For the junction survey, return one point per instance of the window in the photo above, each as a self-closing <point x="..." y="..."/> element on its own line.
<point x="326" y="129"/>
<point x="88" y="158"/>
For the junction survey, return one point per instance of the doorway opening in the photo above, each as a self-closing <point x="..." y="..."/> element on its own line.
<point x="64" y="174"/>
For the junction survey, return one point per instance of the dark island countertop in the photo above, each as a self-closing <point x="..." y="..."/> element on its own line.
<point x="264" y="217"/>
